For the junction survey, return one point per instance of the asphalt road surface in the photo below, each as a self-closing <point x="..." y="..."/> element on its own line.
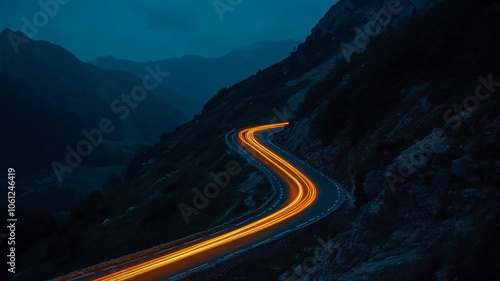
<point x="303" y="196"/>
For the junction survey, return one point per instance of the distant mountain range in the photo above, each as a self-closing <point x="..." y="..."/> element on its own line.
<point x="53" y="105"/>
<point x="197" y="79"/>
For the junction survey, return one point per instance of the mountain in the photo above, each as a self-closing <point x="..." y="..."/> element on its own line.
<point x="407" y="119"/>
<point x="197" y="78"/>
<point x="49" y="98"/>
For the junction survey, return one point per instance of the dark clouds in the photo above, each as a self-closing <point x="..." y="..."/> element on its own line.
<point x="159" y="20"/>
<point x="155" y="29"/>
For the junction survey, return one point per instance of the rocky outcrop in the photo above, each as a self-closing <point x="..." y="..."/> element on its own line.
<point x="435" y="226"/>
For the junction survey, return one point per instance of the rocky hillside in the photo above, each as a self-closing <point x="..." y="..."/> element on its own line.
<point x="412" y="128"/>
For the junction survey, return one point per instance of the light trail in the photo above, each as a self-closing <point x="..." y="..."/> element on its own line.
<point x="306" y="194"/>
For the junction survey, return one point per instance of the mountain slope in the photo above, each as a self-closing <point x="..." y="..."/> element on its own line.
<point x="49" y="97"/>
<point x="197" y="78"/>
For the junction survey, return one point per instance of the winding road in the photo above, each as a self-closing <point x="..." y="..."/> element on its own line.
<point x="303" y="195"/>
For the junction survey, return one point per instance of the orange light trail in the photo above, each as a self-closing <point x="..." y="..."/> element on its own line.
<point x="306" y="195"/>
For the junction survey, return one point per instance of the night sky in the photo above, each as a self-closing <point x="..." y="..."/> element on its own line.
<point x="156" y="29"/>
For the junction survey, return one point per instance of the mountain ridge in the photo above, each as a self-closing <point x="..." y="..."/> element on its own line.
<point x="210" y="74"/>
<point x="53" y="96"/>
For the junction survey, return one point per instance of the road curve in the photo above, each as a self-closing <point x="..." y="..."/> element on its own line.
<point x="309" y="195"/>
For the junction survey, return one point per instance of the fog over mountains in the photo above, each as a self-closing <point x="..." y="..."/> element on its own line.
<point x="196" y="78"/>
